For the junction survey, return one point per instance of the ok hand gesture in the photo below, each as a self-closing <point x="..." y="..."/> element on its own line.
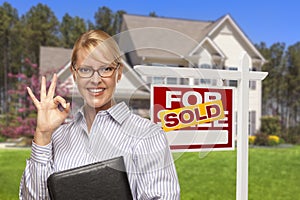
<point x="49" y="115"/>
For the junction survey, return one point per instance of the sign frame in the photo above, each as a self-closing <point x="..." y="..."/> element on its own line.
<point x="209" y="134"/>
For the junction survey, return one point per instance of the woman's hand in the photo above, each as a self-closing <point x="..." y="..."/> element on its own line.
<point x="49" y="115"/>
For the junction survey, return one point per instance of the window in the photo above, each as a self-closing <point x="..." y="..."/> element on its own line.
<point x="252" y="122"/>
<point x="203" y="81"/>
<point x="157" y="80"/>
<point x="233" y="83"/>
<point x="252" y="85"/>
<point x="173" y="81"/>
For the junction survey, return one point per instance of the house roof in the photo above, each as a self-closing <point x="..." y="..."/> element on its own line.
<point x="169" y="37"/>
<point x="52" y="59"/>
<point x="192" y="28"/>
<point x="160" y="37"/>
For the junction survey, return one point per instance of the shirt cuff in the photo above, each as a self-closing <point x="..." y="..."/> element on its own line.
<point x="41" y="154"/>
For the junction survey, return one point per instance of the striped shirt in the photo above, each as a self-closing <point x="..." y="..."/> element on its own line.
<point x="114" y="132"/>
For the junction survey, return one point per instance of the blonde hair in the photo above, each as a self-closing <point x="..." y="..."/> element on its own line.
<point x="96" y="40"/>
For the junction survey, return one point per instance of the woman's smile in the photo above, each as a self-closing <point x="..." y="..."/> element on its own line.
<point x="96" y="91"/>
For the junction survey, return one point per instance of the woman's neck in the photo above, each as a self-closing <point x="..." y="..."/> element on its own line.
<point x="90" y="113"/>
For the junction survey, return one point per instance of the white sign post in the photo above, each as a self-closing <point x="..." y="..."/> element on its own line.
<point x="243" y="77"/>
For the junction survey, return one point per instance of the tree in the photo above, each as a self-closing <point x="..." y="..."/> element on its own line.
<point x="10" y="48"/>
<point x="70" y="29"/>
<point x="274" y="85"/>
<point x="41" y="29"/>
<point x="104" y="19"/>
<point x="118" y="18"/>
<point x="22" y="115"/>
<point x="108" y="21"/>
<point x="293" y="79"/>
<point x="152" y="14"/>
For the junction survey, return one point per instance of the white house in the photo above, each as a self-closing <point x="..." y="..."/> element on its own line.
<point x="219" y="44"/>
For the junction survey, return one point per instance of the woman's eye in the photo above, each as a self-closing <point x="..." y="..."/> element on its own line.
<point x="107" y="69"/>
<point x="85" y="70"/>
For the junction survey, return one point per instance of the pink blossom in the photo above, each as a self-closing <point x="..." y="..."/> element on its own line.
<point x="22" y="110"/>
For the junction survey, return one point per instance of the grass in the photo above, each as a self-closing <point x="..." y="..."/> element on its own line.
<point x="273" y="174"/>
<point x="12" y="164"/>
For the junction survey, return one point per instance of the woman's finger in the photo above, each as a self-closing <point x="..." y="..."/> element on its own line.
<point x="59" y="100"/>
<point x="33" y="98"/>
<point x="52" y="87"/>
<point x="43" y="88"/>
<point x="66" y="110"/>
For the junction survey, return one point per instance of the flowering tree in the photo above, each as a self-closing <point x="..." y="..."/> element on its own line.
<point x="21" y="118"/>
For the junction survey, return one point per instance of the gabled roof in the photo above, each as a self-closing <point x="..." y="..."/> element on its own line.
<point x="160" y="37"/>
<point x="193" y="33"/>
<point x="192" y="28"/>
<point x="53" y="58"/>
<point x="227" y="18"/>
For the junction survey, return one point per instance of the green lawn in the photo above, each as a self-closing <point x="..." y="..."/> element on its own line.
<point x="274" y="174"/>
<point x="12" y="164"/>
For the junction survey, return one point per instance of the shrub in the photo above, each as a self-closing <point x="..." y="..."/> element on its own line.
<point x="2" y="138"/>
<point x="270" y="125"/>
<point x="261" y="139"/>
<point x="292" y="135"/>
<point x="273" y="140"/>
<point x="252" y="139"/>
<point x="20" y="120"/>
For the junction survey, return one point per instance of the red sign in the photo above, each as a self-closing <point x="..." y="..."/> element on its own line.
<point x="194" y="118"/>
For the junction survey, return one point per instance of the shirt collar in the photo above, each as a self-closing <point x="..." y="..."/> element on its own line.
<point x="118" y="112"/>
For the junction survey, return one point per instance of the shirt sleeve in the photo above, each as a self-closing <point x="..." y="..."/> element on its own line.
<point x="156" y="176"/>
<point x="33" y="183"/>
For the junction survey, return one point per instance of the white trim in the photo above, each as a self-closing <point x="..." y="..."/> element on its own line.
<point x="227" y="17"/>
<point x="196" y="73"/>
<point x="212" y="43"/>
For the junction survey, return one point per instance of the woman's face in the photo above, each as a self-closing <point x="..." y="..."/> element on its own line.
<point x="96" y="91"/>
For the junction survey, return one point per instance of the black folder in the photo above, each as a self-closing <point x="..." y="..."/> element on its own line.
<point x="102" y="180"/>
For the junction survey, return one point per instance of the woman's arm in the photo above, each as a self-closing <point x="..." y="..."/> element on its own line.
<point x="156" y="175"/>
<point x="33" y="184"/>
<point x="40" y="165"/>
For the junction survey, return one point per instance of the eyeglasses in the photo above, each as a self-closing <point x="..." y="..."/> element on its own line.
<point x="88" y="72"/>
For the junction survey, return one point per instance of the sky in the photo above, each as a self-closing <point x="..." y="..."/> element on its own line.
<point x="261" y="20"/>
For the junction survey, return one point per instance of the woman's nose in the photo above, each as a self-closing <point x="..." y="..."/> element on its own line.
<point x="96" y="78"/>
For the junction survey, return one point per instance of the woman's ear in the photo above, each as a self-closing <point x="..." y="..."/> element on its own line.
<point x="120" y="71"/>
<point x="73" y="72"/>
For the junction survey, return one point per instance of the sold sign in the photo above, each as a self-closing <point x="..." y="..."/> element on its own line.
<point x="191" y="115"/>
<point x="194" y="118"/>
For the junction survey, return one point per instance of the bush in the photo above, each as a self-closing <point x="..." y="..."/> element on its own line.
<point x="261" y="139"/>
<point x="270" y="125"/>
<point x="2" y="138"/>
<point x="273" y="140"/>
<point x="292" y="135"/>
<point x="252" y="139"/>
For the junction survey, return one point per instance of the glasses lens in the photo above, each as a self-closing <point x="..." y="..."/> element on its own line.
<point x="85" y="72"/>
<point x="106" y="71"/>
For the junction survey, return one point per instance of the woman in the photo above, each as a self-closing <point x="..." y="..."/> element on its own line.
<point x="100" y="130"/>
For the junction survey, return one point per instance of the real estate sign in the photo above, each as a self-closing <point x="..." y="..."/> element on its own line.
<point x="194" y="118"/>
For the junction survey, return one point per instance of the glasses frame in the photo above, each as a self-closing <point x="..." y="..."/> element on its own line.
<point x="114" y="69"/>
